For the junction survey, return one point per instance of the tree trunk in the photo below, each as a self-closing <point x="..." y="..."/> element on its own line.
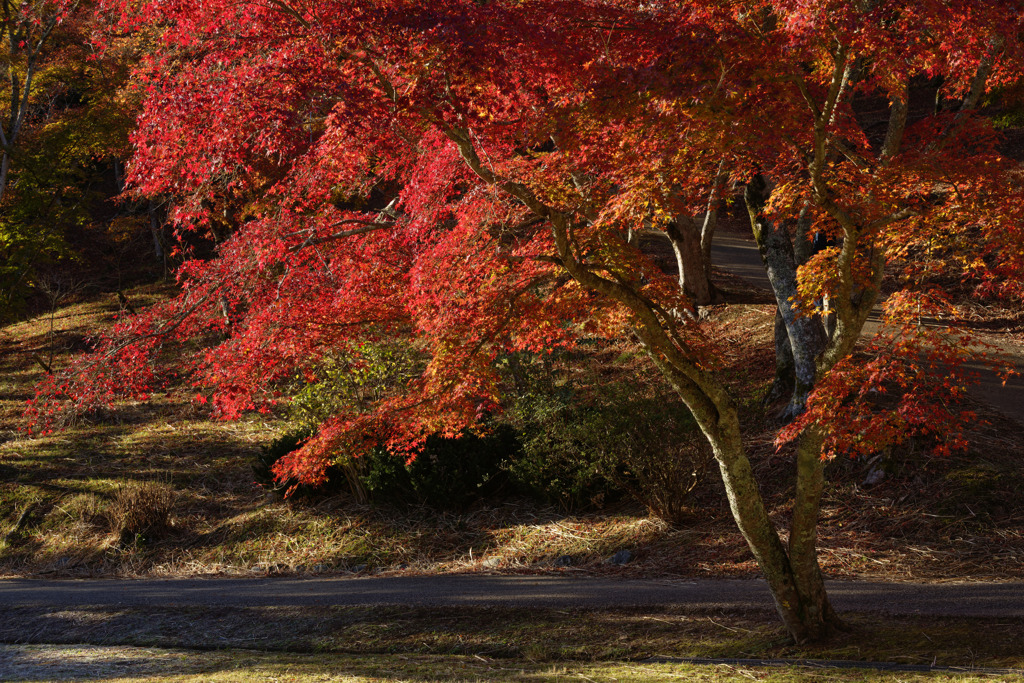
<point x="5" y="166"/>
<point x="785" y="370"/>
<point x="794" y="577"/>
<point x="803" y="534"/>
<point x="797" y="587"/>
<point x="118" y="175"/>
<point x="694" y="270"/>
<point x="806" y="333"/>
<point x="799" y="595"/>
<point x="707" y="236"/>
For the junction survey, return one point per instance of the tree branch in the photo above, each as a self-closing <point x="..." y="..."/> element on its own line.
<point x="368" y="226"/>
<point x="288" y="9"/>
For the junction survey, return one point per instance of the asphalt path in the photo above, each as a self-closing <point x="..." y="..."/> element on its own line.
<point x="739" y="256"/>
<point x="464" y="590"/>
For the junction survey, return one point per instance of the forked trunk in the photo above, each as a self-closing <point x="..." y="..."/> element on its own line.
<point x="794" y="576"/>
<point x="797" y="587"/>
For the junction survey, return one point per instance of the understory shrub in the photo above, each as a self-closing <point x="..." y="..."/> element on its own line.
<point x="349" y="381"/>
<point x="352" y="381"/>
<point x="447" y="472"/>
<point x="572" y="434"/>
<point x="589" y="438"/>
<point x="263" y="469"/>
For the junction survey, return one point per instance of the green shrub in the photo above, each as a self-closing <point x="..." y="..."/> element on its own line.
<point x="448" y="473"/>
<point x="558" y="462"/>
<point x="656" y="452"/>
<point x="588" y="438"/>
<point x="263" y="470"/>
<point x="263" y="463"/>
<point x="351" y="382"/>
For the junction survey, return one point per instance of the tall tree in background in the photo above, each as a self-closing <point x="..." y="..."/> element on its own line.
<point x="65" y="134"/>
<point x="472" y="176"/>
<point x="25" y="34"/>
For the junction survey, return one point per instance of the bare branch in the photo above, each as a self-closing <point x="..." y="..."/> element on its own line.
<point x="894" y="217"/>
<point x="368" y="226"/>
<point x="970" y="102"/>
<point x="801" y="84"/>
<point x="288" y="9"/>
<point x="857" y="159"/>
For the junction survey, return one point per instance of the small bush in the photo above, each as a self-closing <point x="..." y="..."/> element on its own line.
<point x="349" y="381"/>
<point x="140" y="511"/>
<point x="353" y="381"/>
<point x="263" y="470"/>
<point x="558" y="462"/>
<point x="659" y="455"/>
<point x="448" y="473"/>
<point x="263" y="463"/>
<point x="588" y="438"/>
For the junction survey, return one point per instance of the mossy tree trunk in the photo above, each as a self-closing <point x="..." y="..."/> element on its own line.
<point x="792" y="574"/>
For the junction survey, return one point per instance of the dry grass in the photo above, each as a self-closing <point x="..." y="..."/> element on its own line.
<point x="140" y="511"/>
<point x="959" y="517"/>
<point x="123" y="664"/>
<point x="607" y="642"/>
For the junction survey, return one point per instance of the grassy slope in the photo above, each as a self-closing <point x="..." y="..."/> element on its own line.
<point x="956" y="518"/>
<point x="930" y="519"/>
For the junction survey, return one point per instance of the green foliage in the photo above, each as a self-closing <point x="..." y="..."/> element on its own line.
<point x="57" y="206"/>
<point x="352" y="381"/>
<point x="570" y="436"/>
<point x="262" y="465"/>
<point x="558" y="462"/>
<point x="449" y="473"/>
<point x="588" y="438"/>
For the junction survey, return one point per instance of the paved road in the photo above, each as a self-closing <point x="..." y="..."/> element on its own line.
<point x="739" y="255"/>
<point x="970" y="599"/>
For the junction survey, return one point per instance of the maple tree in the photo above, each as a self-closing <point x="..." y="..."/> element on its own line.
<point x="473" y="177"/>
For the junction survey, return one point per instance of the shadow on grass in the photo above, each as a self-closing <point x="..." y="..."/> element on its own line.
<point x="536" y="635"/>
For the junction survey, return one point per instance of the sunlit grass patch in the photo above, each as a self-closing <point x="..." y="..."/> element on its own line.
<point x="119" y="664"/>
